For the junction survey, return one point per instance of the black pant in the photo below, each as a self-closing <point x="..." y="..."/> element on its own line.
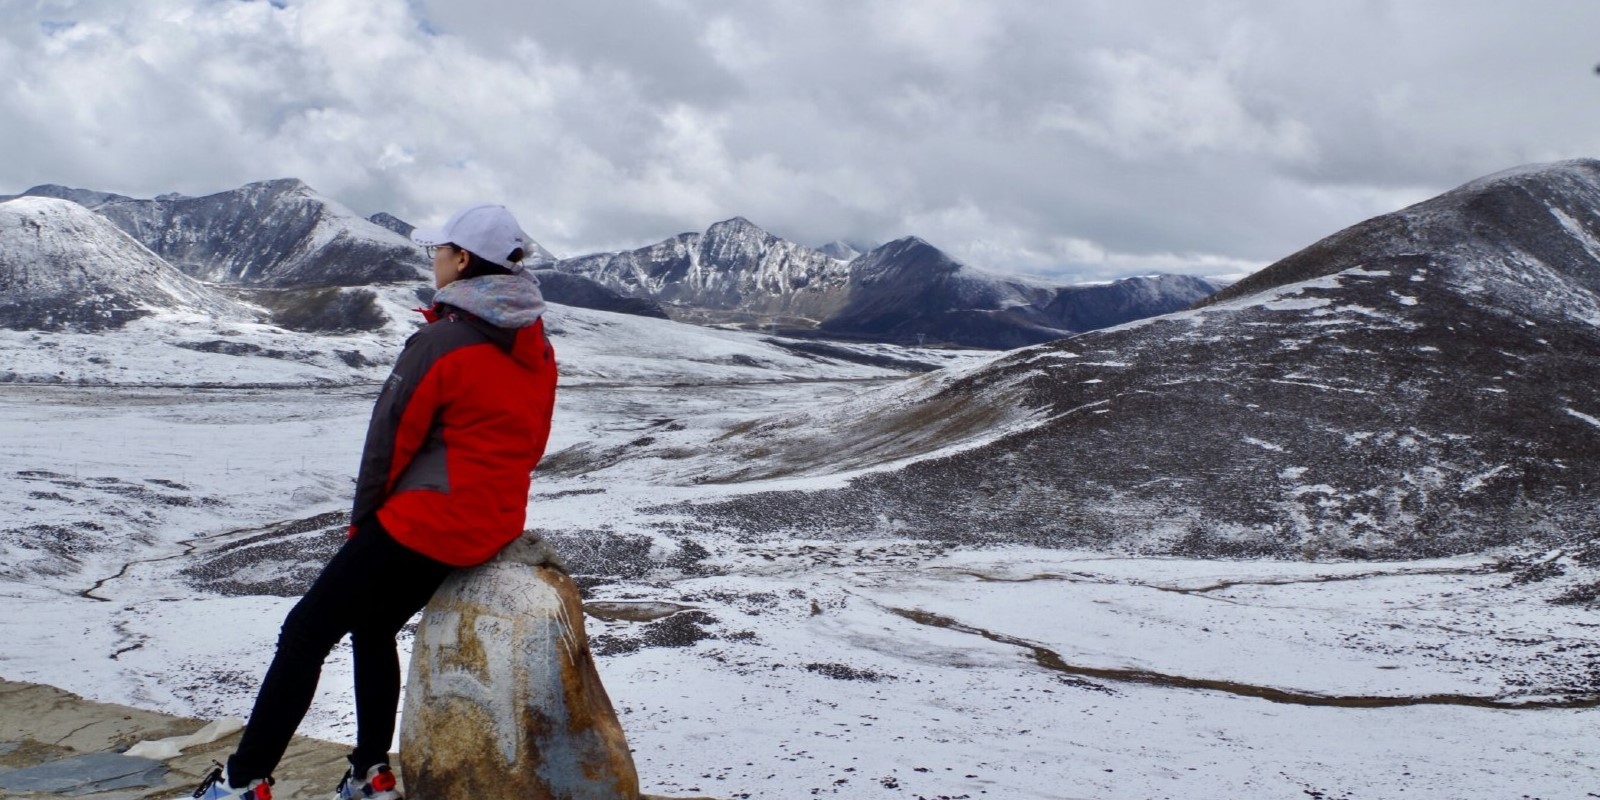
<point x="368" y="590"/>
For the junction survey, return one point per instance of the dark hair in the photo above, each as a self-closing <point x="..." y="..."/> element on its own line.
<point x="478" y="266"/>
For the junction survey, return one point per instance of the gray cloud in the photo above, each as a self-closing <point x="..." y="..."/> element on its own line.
<point x="1083" y="140"/>
<point x="651" y="45"/>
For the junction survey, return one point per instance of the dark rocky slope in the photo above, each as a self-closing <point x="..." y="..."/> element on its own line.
<point x="1418" y="385"/>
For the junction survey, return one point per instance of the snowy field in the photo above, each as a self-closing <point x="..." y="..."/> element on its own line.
<point x="873" y="668"/>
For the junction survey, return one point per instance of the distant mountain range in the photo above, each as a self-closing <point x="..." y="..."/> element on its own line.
<point x="1421" y="384"/>
<point x="307" y="260"/>
<point x="311" y="263"/>
<point x="906" y="291"/>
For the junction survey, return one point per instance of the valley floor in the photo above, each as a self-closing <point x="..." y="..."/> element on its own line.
<point x="859" y="667"/>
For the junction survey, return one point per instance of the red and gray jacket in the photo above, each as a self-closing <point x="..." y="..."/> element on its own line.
<point x="461" y="423"/>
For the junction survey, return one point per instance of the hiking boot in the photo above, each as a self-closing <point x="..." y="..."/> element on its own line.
<point x="379" y="785"/>
<point x="215" y="787"/>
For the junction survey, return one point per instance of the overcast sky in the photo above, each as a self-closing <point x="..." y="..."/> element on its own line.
<point x="1076" y="139"/>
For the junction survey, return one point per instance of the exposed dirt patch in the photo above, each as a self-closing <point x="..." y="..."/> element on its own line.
<point x="281" y="561"/>
<point x="845" y="672"/>
<point x="679" y="630"/>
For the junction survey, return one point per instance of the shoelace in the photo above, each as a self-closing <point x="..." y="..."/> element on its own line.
<point x="213" y="778"/>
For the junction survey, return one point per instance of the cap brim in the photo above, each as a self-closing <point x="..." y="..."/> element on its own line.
<point x="428" y="237"/>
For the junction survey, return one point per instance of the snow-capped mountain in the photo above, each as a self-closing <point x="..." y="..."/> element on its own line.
<point x="63" y="267"/>
<point x="85" y="303"/>
<point x="278" y="233"/>
<point x="733" y="272"/>
<point x="1420" y="384"/>
<point x="905" y="291"/>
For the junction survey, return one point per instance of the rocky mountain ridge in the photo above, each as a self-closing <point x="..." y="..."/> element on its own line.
<point x="906" y="291"/>
<point x="308" y="260"/>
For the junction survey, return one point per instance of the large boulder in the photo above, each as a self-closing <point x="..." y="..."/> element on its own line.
<point x="503" y="700"/>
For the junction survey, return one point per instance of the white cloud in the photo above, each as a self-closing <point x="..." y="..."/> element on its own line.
<point x="949" y="35"/>
<point x="734" y="46"/>
<point x="974" y="237"/>
<point x="1142" y="107"/>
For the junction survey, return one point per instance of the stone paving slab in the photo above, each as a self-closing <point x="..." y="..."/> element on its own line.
<point x="90" y="773"/>
<point x="56" y="733"/>
<point x="47" y="725"/>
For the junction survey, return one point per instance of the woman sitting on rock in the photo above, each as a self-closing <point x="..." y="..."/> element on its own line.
<point x="456" y="433"/>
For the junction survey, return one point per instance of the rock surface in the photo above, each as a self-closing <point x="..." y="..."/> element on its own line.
<point x="503" y="699"/>
<point x="89" y="773"/>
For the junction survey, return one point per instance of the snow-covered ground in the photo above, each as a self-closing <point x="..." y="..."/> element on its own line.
<point x="187" y="349"/>
<point x="885" y="667"/>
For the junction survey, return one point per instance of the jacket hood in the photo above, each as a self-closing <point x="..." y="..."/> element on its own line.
<point x="504" y="301"/>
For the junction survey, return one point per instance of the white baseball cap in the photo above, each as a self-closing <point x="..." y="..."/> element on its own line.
<point x="485" y="230"/>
